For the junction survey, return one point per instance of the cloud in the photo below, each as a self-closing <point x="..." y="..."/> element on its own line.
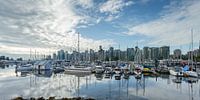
<point x="45" y="24"/>
<point x="174" y="25"/>
<point x="113" y="7"/>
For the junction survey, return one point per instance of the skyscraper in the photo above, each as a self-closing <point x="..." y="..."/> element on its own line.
<point x="130" y="54"/>
<point x="146" y="52"/>
<point x="54" y="56"/>
<point x="92" y="55"/>
<point x="61" y="55"/>
<point x="101" y="55"/>
<point x="111" y="53"/>
<point x="154" y="53"/>
<point x="164" y="52"/>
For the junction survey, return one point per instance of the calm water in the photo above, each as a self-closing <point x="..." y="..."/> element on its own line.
<point x="97" y="86"/>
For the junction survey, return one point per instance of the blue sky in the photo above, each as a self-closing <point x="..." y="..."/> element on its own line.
<point x="50" y="25"/>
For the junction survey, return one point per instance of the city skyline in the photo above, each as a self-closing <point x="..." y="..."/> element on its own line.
<point x="50" y="25"/>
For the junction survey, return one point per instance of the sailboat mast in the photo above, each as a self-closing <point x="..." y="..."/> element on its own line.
<point x="78" y="47"/>
<point x="192" y="47"/>
<point x="30" y="54"/>
<point x="78" y="43"/>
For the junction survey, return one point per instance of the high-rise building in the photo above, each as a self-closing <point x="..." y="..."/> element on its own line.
<point x="111" y="53"/>
<point x="164" y="52"/>
<point x="130" y="54"/>
<point x="138" y="55"/>
<point x="66" y="55"/>
<point x="117" y="54"/>
<point x="92" y="55"/>
<point x="177" y="53"/>
<point x="123" y="56"/>
<point x="154" y="53"/>
<point x="107" y="55"/>
<point x="86" y="56"/>
<point x="146" y="53"/>
<point x="61" y="55"/>
<point x="101" y="55"/>
<point x="54" y="56"/>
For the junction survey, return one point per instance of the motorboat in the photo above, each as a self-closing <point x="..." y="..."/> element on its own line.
<point x="118" y="70"/>
<point x="77" y="69"/>
<point x="138" y="71"/>
<point x="163" y="69"/>
<point x="177" y="71"/>
<point x="190" y="74"/>
<point x="43" y="65"/>
<point x="23" y="68"/>
<point x="58" y="69"/>
<point x="99" y="69"/>
<point x="126" y="70"/>
<point x="108" y="70"/>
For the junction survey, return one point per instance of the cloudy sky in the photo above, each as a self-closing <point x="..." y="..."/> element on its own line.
<point x="49" y="25"/>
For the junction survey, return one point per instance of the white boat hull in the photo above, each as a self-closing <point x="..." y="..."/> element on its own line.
<point x="174" y="73"/>
<point x="191" y="74"/>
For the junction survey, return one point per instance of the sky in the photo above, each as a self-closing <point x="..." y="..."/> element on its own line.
<point x="46" y="26"/>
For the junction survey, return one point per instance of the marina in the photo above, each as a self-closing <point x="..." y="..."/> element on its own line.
<point x="99" y="50"/>
<point x="99" y="86"/>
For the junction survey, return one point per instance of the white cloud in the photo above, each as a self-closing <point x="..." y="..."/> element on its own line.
<point x="173" y="27"/>
<point x="86" y="3"/>
<point x="113" y="7"/>
<point x="44" y="24"/>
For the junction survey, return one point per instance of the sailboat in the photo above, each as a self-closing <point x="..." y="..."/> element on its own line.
<point x="78" y="68"/>
<point x="191" y="73"/>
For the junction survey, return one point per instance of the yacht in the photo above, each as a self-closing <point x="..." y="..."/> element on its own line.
<point x="78" y="69"/>
<point x="99" y="69"/>
<point x="190" y="74"/>
<point x="177" y="71"/>
<point x="118" y="70"/>
<point x="26" y="67"/>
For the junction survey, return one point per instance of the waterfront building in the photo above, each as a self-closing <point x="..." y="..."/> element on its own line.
<point x="123" y="55"/>
<point x="130" y="54"/>
<point x="117" y="54"/>
<point x="101" y="56"/>
<point x="92" y="55"/>
<point x="154" y="53"/>
<point x="177" y="54"/>
<point x="111" y="53"/>
<point x="54" y="56"/>
<point x="86" y="56"/>
<point x="61" y="55"/>
<point x="66" y="55"/>
<point x="138" y="55"/>
<point x="146" y="53"/>
<point x="164" y="52"/>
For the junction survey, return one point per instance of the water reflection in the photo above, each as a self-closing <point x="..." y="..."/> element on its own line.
<point x="99" y="86"/>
